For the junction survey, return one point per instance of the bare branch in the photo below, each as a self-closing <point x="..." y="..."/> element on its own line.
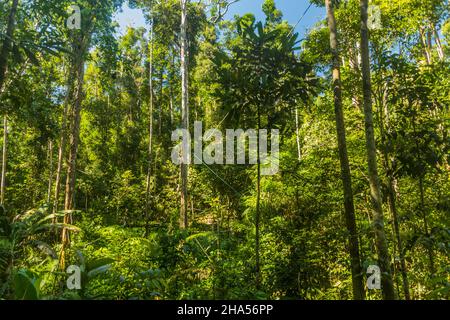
<point x="222" y="14"/>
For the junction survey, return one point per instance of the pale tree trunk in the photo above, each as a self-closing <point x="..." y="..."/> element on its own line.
<point x="185" y="113"/>
<point x="425" y="44"/>
<point x="355" y="66"/>
<point x="7" y="43"/>
<point x="437" y="39"/>
<point x="429" y="41"/>
<point x="377" y="208"/>
<point x="353" y="243"/>
<point x="4" y="161"/>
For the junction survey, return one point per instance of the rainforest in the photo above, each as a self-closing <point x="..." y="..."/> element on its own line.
<point x="318" y="167"/>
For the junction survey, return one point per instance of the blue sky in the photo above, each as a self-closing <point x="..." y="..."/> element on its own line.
<point x="292" y="11"/>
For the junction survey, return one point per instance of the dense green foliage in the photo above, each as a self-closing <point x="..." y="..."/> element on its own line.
<point x="125" y="235"/>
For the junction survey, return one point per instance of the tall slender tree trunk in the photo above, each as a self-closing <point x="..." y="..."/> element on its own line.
<point x="160" y="104"/>
<point x="355" y="66"/>
<point x="171" y="106"/>
<point x="50" y="171"/>
<point x="74" y="136"/>
<point x="437" y="39"/>
<point x="185" y="113"/>
<point x="297" y="134"/>
<point x="7" y="42"/>
<point x="422" y="202"/>
<point x="389" y="168"/>
<point x="150" y="130"/>
<point x="393" y="209"/>
<point x="425" y="45"/>
<point x="357" y="272"/>
<point x="258" y="205"/>
<point x="377" y="208"/>
<point x="4" y="161"/>
<point x="171" y="98"/>
<point x="425" y="223"/>
<point x="429" y="40"/>
<point x="63" y="138"/>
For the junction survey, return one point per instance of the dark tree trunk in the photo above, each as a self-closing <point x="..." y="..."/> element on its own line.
<point x="258" y="205"/>
<point x="357" y="272"/>
<point x="4" y="161"/>
<point x="50" y="171"/>
<point x="74" y="137"/>
<point x="389" y="168"/>
<point x="425" y="224"/>
<point x="297" y="135"/>
<point x="7" y="42"/>
<point x="393" y="209"/>
<point x="150" y="132"/>
<point x="81" y="47"/>
<point x="160" y="104"/>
